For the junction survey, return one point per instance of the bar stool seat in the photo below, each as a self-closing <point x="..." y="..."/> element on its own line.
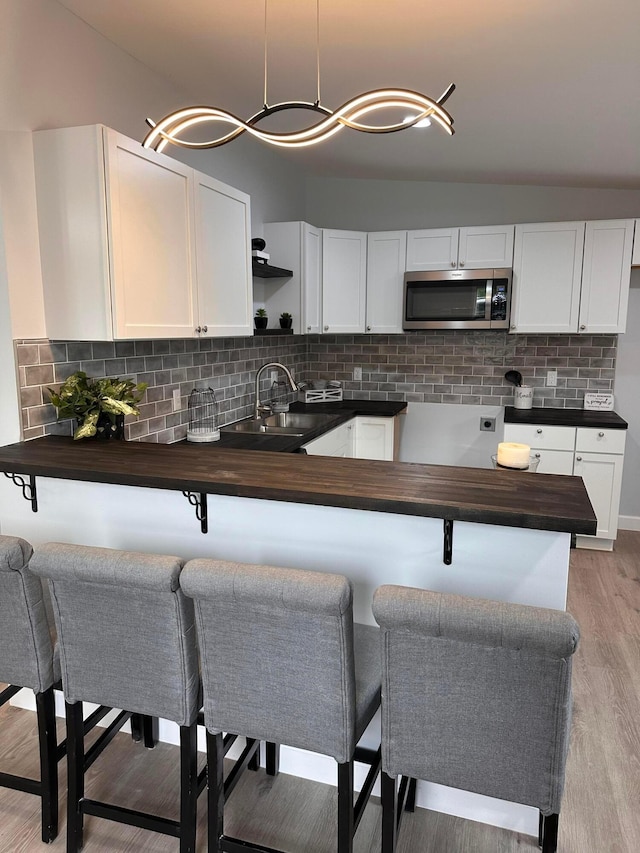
<point x="127" y="641"/>
<point x="29" y="658"/>
<point x="283" y="662"/>
<point x="476" y="695"/>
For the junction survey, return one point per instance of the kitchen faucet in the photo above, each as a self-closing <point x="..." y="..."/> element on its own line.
<point x="262" y="409"/>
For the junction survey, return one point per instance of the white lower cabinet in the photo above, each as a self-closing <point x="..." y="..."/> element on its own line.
<point x="336" y="442"/>
<point x="596" y="455"/>
<point x="362" y="437"/>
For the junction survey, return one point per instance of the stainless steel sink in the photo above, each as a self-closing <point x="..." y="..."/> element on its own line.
<point x="283" y="423"/>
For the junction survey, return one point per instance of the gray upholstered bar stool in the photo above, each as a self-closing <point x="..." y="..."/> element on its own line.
<point x="283" y="662"/>
<point x="476" y="695"/>
<point x="127" y="640"/>
<point x="27" y="659"/>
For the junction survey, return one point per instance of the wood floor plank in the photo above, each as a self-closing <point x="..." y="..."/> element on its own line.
<point x="600" y="811"/>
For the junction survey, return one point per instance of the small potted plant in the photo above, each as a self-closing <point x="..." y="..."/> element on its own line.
<point x="261" y="318"/>
<point x="285" y="320"/>
<point x="98" y="405"/>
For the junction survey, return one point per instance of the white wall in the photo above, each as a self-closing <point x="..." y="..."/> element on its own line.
<point x="627" y="403"/>
<point x="387" y="205"/>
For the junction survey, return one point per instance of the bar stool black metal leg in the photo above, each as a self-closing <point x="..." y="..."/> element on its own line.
<point x="188" y="787"/>
<point x="345" y="807"/>
<point x="136" y="727"/>
<point x="540" y="828"/>
<point x="149" y="731"/>
<point x="47" y="737"/>
<point x="550" y="833"/>
<point x="75" y="775"/>
<point x="215" y="792"/>
<point x="273" y="758"/>
<point x="389" y="812"/>
<point x="410" y="802"/>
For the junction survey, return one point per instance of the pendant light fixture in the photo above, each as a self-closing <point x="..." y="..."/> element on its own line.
<point x="173" y="127"/>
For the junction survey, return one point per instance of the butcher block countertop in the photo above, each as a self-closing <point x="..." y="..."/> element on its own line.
<point x="509" y="498"/>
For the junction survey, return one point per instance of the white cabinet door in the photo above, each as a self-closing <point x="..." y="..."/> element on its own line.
<point x="486" y="247"/>
<point x="432" y="249"/>
<point x="296" y="246"/>
<point x="149" y="200"/>
<point x="344" y="281"/>
<point x="386" y="260"/>
<point x="311" y="279"/>
<point x="223" y="229"/>
<point x="336" y="442"/>
<point x="553" y="461"/>
<point x="374" y="438"/>
<point x="606" y="275"/>
<point x="602" y="476"/>
<point x="547" y="269"/>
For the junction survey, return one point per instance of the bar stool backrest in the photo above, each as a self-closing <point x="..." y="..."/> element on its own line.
<point x="277" y="654"/>
<point x="26" y="652"/>
<point x="476" y="694"/>
<point x="126" y="631"/>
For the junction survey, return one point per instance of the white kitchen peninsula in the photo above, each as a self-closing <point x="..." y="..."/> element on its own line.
<point x="376" y="522"/>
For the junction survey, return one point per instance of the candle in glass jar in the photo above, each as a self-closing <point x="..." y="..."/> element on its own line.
<point x="513" y="455"/>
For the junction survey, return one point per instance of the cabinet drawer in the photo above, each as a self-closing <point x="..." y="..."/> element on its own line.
<point x="600" y="440"/>
<point x="554" y="461"/>
<point x="547" y="437"/>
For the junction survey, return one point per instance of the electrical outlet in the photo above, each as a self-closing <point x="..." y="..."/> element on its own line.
<point x="177" y="402"/>
<point x="487" y="424"/>
<point x="552" y="378"/>
<point x="357" y="373"/>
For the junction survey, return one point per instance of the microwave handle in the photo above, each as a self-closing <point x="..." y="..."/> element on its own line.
<point x="488" y="300"/>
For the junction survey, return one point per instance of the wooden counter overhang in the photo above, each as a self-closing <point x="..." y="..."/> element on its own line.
<point x="508" y="498"/>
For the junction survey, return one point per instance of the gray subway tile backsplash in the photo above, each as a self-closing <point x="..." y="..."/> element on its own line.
<point x="421" y="367"/>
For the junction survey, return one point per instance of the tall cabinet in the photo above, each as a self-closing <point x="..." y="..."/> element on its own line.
<point x="135" y="244"/>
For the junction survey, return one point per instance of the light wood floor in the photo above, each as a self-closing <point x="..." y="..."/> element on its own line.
<point x="601" y="809"/>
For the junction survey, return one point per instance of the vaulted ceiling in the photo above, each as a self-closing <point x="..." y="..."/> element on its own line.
<point x="547" y="91"/>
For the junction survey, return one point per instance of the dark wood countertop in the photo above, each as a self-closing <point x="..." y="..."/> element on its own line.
<point x="564" y="417"/>
<point x="513" y="499"/>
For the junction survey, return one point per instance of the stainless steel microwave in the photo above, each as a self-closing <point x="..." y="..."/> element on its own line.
<point x="457" y="299"/>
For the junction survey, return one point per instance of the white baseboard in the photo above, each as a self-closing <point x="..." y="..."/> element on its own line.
<point x="628" y="522"/>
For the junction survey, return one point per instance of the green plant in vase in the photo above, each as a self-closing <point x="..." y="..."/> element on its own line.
<point x="286" y="320"/>
<point x="261" y="319"/>
<point x="98" y="405"/>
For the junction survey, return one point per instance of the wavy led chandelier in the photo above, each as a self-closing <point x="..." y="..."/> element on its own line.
<point x="171" y="129"/>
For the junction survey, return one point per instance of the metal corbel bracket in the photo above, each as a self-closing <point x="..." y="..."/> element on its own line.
<point x="447" y="554"/>
<point x="200" y="503"/>
<point x="29" y="492"/>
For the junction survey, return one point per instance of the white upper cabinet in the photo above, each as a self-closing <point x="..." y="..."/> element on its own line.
<point x="571" y="277"/>
<point x="120" y="230"/>
<point x="296" y="246"/>
<point x="223" y="233"/>
<point x="386" y="262"/>
<point x="606" y="275"/>
<point x="547" y="269"/>
<point x="344" y="281"/>
<point x="635" y="259"/>
<point x="477" y="247"/>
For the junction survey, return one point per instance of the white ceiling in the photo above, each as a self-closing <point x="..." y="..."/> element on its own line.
<point x="548" y="91"/>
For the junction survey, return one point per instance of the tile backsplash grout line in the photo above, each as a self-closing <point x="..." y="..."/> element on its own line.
<point x="421" y="367"/>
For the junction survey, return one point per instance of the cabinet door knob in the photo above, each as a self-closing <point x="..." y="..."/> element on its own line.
<point x="578" y="458"/>
<point x="513" y="327"/>
<point x="368" y="328"/>
<point x="205" y="328"/>
<point x="308" y="328"/>
<point x="600" y="435"/>
<point x="461" y="264"/>
<point x="198" y="329"/>
<point x="453" y="264"/>
<point x="539" y="431"/>
<point x="582" y="327"/>
<point x="537" y="456"/>
<point x="326" y="328"/>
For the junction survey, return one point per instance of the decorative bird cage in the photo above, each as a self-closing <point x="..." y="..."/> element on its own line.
<point x="203" y="416"/>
